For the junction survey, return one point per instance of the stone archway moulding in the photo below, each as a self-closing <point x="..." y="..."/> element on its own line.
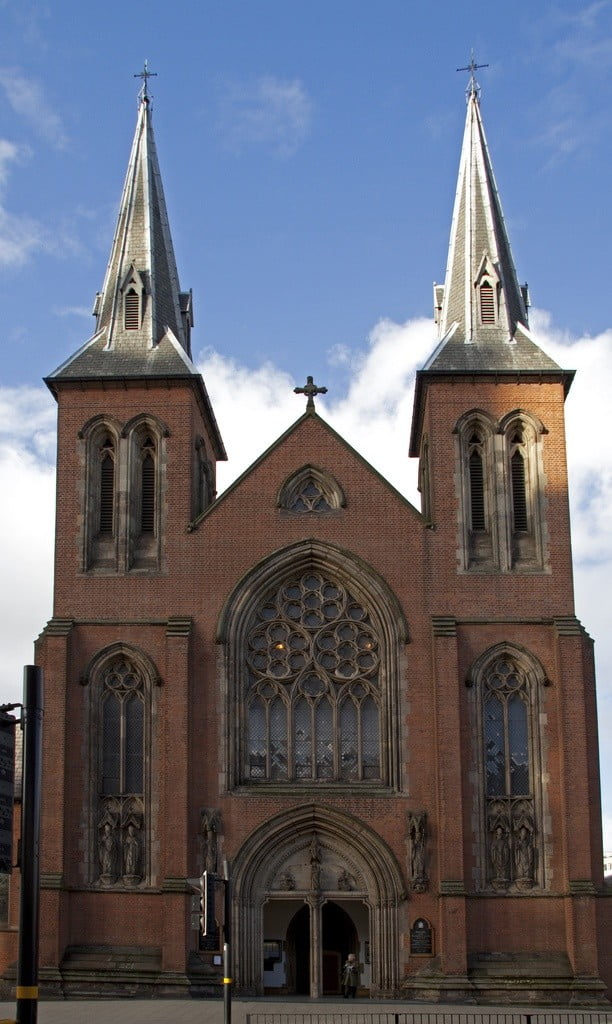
<point x="343" y="839"/>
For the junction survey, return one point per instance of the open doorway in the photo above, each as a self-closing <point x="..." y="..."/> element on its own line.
<point x="298" y="953"/>
<point x="340" y="938"/>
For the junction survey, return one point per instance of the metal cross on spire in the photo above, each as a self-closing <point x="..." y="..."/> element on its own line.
<point x="145" y="74"/>
<point x="310" y="389"/>
<point x="473" y="88"/>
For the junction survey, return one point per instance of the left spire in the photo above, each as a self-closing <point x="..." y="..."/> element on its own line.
<point x="143" y="319"/>
<point x="141" y="299"/>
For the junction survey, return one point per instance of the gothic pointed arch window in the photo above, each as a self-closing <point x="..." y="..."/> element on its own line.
<point x="478" y="492"/>
<point x="507" y="681"/>
<point x="311" y="490"/>
<point x="203" y="478"/>
<point x="524" y="491"/>
<point x="101" y="448"/>
<point x="121" y="706"/>
<point x="146" y="444"/>
<point x="314" y="672"/>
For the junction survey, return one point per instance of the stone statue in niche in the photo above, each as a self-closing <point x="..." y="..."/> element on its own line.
<point x="210" y="829"/>
<point x="345" y="881"/>
<point x="417" y="831"/>
<point x="499" y="853"/>
<point x="107" y="853"/>
<point x="315" y="864"/>
<point x="131" y="855"/>
<point x="524" y="857"/>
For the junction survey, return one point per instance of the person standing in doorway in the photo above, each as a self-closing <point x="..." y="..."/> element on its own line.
<point x="350" y="977"/>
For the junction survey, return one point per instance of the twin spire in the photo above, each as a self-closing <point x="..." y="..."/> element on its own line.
<point x="481" y="310"/>
<point x="144" y="320"/>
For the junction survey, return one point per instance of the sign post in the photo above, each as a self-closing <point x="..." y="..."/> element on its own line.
<point x="27" y="969"/>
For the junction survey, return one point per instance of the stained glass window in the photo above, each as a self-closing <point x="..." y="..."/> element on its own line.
<point x="122" y="729"/>
<point x="312" y="685"/>
<point x="510" y="803"/>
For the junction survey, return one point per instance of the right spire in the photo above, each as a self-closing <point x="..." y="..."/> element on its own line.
<point x="481" y="299"/>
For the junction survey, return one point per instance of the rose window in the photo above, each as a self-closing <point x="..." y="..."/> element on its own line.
<point x="312" y="686"/>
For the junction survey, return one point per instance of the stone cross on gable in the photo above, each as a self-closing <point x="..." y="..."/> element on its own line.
<point x="310" y="389"/>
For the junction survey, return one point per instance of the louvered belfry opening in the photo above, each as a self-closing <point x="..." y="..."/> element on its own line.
<point x="147" y="497"/>
<point x="132" y="311"/>
<point x="519" y="490"/>
<point x="107" y="488"/>
<point x="477" y="500"/>
<point x="487" y="303"/>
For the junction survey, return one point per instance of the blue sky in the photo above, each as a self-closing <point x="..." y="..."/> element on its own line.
<point x="309" y="153"/>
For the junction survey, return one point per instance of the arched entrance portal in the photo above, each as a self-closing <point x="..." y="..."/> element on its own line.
<point x="310" y="886"/>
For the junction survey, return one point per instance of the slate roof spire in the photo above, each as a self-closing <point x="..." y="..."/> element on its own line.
<point x="480" y="310"/>
<point x="142" y="254"/>
<point x="479" y="248"/>
<point x="143" y="319"/>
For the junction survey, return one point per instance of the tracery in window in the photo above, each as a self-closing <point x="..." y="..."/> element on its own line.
<point x="312" y="686"/>
<point x="501" y="491"/>
<point x="122" y="693"/>
<point x="311" y="490"/>
<point x="507" y="692"/>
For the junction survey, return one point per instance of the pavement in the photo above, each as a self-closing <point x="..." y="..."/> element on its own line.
<point x="334" y="1011"/>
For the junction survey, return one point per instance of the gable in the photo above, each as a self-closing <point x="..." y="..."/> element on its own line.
<point x="312" y="448"/>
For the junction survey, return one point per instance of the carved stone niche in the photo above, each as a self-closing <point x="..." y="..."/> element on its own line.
<point x="210" y="826"/>
<point x="417" y="855"/>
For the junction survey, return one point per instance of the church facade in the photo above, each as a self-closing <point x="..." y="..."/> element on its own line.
<point x="381" y="718"/>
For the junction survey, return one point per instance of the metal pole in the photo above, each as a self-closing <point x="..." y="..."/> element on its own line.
<point x="227" y="953"/>
<point x="27" y="970"/>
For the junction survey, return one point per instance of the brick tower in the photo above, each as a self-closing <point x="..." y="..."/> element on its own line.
<point x="382" y="718"/>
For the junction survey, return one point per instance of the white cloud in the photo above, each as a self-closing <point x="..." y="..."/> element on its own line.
<point x="80" y="311"/>
<point x="269" y="112"/>
<point x="20" y="236"/>
<point x="255" y="406"/>
<point x="28" y="101"/>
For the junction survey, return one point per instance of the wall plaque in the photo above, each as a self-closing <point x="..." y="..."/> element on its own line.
<point x="421" y="938"/>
